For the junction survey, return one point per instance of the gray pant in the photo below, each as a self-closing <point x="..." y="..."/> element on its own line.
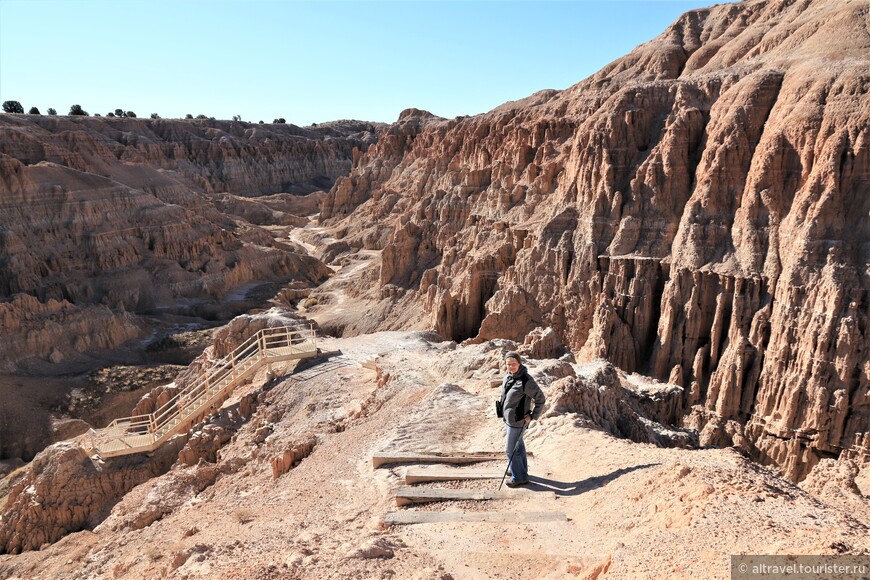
<point x="519" y="465"/>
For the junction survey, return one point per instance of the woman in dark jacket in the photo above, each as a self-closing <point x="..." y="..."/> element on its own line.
<point x="518" y="390"/>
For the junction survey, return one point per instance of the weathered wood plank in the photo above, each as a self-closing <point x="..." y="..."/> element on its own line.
<point x="424" y="474"/>
<point x="413" y="517"/>
<point x="384" y="458"/>
<point x="407" y="495"/>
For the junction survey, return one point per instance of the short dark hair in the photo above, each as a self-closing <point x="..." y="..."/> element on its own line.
<point x="513" y="355"/>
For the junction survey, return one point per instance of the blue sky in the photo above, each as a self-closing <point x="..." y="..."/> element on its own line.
<point x="310" y="61"/>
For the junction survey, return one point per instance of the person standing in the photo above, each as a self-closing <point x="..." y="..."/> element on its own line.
<point x="518" y="391"/>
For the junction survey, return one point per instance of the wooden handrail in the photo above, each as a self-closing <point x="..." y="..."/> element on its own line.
<point x="146" y="432"/>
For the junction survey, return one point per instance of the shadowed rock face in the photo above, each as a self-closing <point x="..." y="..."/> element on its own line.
<point x="697" y="210"/>
<point x="100" y="217"/>
<point x="63" y="491"/>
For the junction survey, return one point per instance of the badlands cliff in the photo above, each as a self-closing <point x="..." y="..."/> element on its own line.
<point x="100" y="218"/>
<point x="697" y="210"/>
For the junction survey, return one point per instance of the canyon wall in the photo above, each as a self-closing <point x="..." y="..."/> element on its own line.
<point x="698" y="210"/>
<point x="103" y="217"/>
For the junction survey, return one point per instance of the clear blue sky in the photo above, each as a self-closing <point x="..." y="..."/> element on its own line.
<point x="310" y="61"/>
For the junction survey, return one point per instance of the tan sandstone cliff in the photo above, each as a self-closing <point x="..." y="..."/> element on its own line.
<point x="697" y="210"/>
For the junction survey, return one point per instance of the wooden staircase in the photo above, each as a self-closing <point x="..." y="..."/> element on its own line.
<point x="189" y="406"/>
<point x="412" y="494"/>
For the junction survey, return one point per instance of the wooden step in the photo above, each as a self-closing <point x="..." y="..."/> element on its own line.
<point x="383" y="458"/>
<point x="517" y="517"/>
<point x="423" y="474"/>
<point x="407" y="495"/>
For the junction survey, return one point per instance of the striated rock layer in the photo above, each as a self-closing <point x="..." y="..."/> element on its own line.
<point x="140" y="216"/>
<point x="697" y="210"/>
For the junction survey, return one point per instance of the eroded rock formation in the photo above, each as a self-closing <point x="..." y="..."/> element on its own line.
<point x="135" y="215"/>
<point x="37" y="335"/>
<point x="615" y="407"/>
<point x="696" y="210"/>
<point x="65" y="490"/>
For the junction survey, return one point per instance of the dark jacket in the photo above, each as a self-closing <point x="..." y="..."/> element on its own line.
<point x="518" y="389"/>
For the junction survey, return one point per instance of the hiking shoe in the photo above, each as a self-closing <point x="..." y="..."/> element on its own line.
<point x="513" y="483"/>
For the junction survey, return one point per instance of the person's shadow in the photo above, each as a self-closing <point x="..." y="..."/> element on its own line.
<point x="562" y="488"/>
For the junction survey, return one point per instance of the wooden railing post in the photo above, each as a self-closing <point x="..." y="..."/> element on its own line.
<point x="123" y="436"/>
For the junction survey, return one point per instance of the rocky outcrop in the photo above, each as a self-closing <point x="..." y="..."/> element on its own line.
<point x="696" y="210"/>
<point x="601" y="396"/>
<point x="834" y="482"/>
<point x="162" y="496"/>
<point x="298" y="451"/>
<point x="541" y="343"/>
<point x="204" y="444"/>
<point x="65" y="491"/>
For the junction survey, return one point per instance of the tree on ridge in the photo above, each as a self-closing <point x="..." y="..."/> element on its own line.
<point x="12" y="107"/>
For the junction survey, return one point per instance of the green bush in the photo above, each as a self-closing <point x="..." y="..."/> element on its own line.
<point x="51" y="111"/>
<point x="77" y="110"/>
<point x="33" y="111"/>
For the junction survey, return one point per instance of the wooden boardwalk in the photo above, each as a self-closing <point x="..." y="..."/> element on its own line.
<point x="204" y="396"/>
